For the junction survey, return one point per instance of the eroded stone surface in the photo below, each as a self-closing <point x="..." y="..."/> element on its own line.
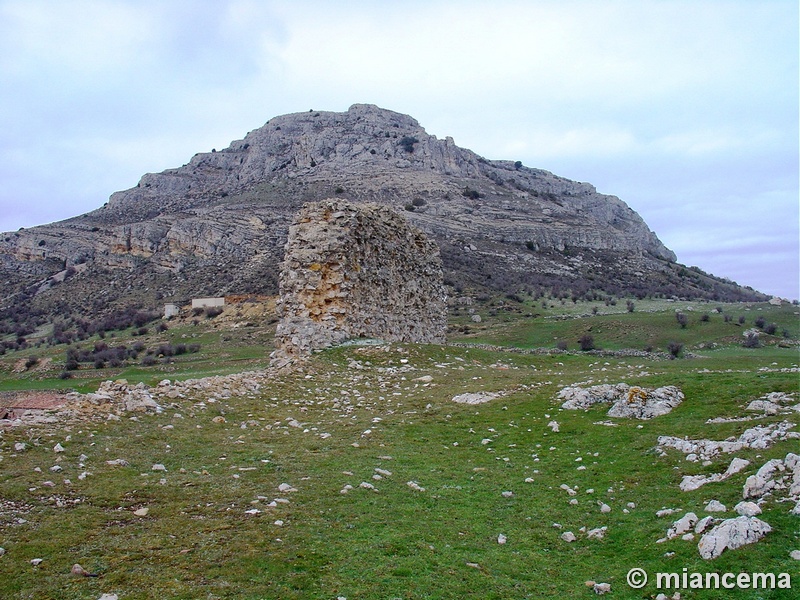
<point x="357" y="271"/>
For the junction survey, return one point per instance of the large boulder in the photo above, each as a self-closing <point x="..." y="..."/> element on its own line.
<point x="732" y="534"/>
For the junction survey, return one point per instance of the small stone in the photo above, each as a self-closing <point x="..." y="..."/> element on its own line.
<point x="159" y="467"/>
<point x="142" y="512"/>
<point x="279" y="523"/>
<point x="715" y="506"/>
<point x="568" y="537"/>
<point x="20" y="447"/>
<point x="286" y="488"/>
<point x="601" y="588"/>
<point x="58" y="448"/>
<point x="2" y="551"/>
<point x="501" y="539"/>
<point x="507" y="494"/>
<point x="604" y="508"/>
<point x="37" y="561"/>
<point x="794" y="554"/>
<point x="108" y="597"/>
<point x="219" y="419"/>
<point x="747" y="509"/>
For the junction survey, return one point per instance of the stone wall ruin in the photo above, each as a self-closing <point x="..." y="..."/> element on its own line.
<point x="357" y="271"/>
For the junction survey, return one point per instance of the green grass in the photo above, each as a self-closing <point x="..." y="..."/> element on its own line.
<point x="198" y="542"/>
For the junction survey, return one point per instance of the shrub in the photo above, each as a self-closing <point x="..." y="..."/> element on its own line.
<point x="339" y="190"/>
<point x="751" y="340"/>
<point x="727" y="318"/>
<point x="410" y="207"/>
<point x="561" y="345"/>
<point x="675" y="349"/>
<point x="407" y="143"/>
<point x="586" y="342"/>
<point x="760" y="322"/>
<point x="770" y="328"/>
<point x="470" y="193"/>
<point x="149" y="360"/>
<point x="213" y="311"/>
<point x="741" y="319"/>
<point x="682" y="319"/>
<point x="630" y="305"/>
<point x="31" y="362"/>
<point x="419" y="202"/>
<point x="705" y="318"/>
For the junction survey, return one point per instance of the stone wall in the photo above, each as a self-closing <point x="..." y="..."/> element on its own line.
<point x="357" y="271"/>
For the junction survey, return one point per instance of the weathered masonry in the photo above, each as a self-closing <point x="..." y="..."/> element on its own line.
<point x="357" y="271"/>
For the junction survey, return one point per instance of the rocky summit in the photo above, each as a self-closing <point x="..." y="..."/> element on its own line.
<point x="218" y="224"/>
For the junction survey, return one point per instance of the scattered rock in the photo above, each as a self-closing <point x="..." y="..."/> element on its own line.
<point x="58" y="448"/>
<point x="795" y="554"/>
<point x="108" y="597"/>
<point x="142" y="512"/>
<point x="553" y="425"/>
<point x="568" y="537"/>
<point x="415" y="486"/>
<point x="501" y="539"/>
<point x="476" y="397"/>
<point x="715" y="506"/>
<point x="732" y="534"/>
<point x="682" y="525"/>
<point x="81" y="572"/>
<point x="692" y="482"/>
<point x="704" y="525"/>
<point x="628" y="401"/>
<point x="597" y="534"/>
<point x="285" y="488"/>
<point x="747" y="509"/>
<point x="37" y="561"/>
<point x="601" y="588"/>
<point x="759" y="437"/>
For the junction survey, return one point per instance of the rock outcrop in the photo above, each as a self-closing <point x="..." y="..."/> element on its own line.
<point x="218" y="224"/>
<point x="357" y="271"/>
<point x="628" y="401"/>
<point x="732" y="534"/>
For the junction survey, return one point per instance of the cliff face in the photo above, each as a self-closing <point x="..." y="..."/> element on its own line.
<point x="219" y="223"/>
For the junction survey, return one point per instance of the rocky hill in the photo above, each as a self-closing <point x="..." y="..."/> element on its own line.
<point x="218" y="224"/>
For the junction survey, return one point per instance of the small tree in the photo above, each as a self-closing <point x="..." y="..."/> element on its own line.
<point x="751" y="340"/>
<point x="586" y="342"/>
<point x="675" y="349"/>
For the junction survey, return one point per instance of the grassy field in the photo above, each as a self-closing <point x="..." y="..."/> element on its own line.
<point x="384" y="416"/>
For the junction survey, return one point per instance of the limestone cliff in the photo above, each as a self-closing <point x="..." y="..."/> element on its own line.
<point x="219" y="223"/>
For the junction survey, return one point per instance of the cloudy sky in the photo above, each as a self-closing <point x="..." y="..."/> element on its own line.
<point x="687" y="110"/>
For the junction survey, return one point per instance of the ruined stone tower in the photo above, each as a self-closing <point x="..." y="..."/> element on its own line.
<point x="357" y="271"/>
